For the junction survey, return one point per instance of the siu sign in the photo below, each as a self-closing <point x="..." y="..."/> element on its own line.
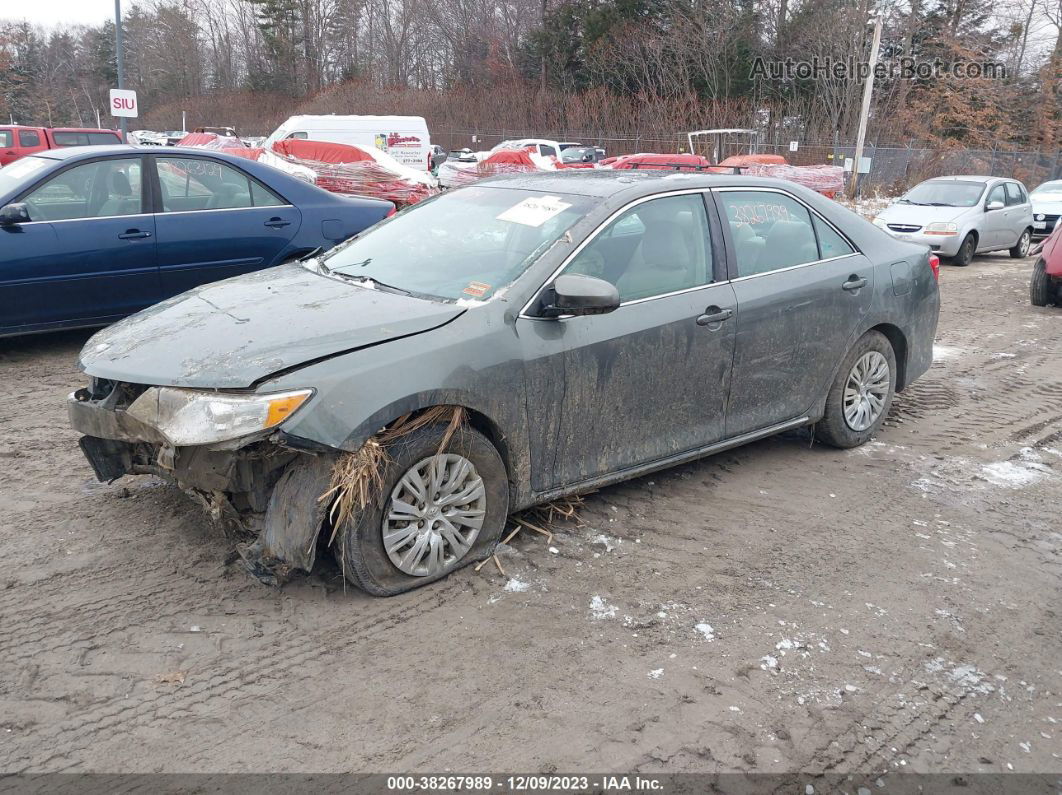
<point x="123" y="103"/>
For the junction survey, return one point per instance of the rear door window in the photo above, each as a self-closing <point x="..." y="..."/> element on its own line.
<point x="1014" y="193"/>
<point x="29" y="138"/>
<point x="70" y="139"/>
<point x="770" y="231"/>
<point x="831" y="244"/>
<point x="190" y="184"/>
<point x="6" y="139"/>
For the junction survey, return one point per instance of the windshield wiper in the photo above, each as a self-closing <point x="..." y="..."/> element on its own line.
<point x="373" y="282"/>
<point x="939" y="204"/>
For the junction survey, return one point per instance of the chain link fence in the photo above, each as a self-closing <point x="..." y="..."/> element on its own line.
<point x="892" y="168"/>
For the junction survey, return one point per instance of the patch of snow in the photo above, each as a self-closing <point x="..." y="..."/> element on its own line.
<point x="600" y="609"/>
<point x="656" y="673"/>
<point x="768" y="662"/>
<point x="942" y="352"/>
<point x="1013" y="474"/>
<point x="607" y="542"/>
<point x="706" y="630"/>
<point x="516" y="586"/>
<point x="978" y="718"/>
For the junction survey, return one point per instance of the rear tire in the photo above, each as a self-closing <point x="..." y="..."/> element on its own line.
<point x="1021" y="248"/>
<point x="362" y="554"/>
<point x="861" y="394"/>
<point x="966" y="251"/>
<point x="1042" y="289"/>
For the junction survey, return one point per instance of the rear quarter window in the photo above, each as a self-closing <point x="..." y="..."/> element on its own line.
<point x="6" y="138"/>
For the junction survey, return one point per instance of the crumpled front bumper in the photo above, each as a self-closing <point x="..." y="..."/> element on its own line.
<point x="252" y="486"/>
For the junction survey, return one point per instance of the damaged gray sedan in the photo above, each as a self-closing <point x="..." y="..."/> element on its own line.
<point x="528" y="337"/>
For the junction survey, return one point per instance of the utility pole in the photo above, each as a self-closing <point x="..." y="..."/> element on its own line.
<point x="864" y="113"/>
<point x="119" y="52"/>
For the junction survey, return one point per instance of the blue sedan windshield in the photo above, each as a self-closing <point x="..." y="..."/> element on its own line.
<point x="19" y="173"/>
<point x="468" y="243"/>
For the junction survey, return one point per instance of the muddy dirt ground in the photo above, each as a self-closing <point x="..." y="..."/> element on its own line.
<point x="780" y="607"/>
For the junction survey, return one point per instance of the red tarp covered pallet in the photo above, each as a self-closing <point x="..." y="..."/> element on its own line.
<point x="351" y="170"/>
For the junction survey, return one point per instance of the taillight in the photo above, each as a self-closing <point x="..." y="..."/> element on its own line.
<point x="391" y="212"/>
<point x="934" y="265"/>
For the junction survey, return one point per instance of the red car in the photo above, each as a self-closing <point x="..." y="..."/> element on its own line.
<point x="1046" y="287"/>
<point x="17" y="141"/>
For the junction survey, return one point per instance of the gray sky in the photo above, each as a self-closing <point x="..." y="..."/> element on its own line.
<point x="52" y="12"/>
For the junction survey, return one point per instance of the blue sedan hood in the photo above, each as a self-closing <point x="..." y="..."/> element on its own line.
<point x="234" y="333"/>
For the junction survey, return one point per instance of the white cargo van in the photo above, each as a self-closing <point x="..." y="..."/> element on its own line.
<point x="405" y="138"/>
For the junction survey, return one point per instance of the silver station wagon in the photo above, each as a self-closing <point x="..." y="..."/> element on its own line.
<point x="958" y="217"/>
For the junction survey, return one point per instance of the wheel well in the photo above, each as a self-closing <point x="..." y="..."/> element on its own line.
<point x="973" y="233"/>
<point x="898" y="341"/>
<point x="486" y="426"/>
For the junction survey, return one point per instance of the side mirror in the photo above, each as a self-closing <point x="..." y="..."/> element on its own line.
<point x="994" y="205"/>
<point x="11" y="214"/>
<point x="574" y="294"/>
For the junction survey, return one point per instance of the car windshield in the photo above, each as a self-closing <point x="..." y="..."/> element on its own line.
<point x="1049" y="187"/>
<point x="945" y="193"/>
<point x="468" y="243"/>
<point x="19" y="173"/>
<point x="576" y="154"/>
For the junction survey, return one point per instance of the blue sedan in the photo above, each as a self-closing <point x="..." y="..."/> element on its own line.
<point x="92" y="234"/>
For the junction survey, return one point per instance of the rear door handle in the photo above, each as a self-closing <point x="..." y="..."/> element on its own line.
<point x="277" y="223"/>
<point x="854" y="283"/>
<point x="133" y="234"/>
<point x="714" y="314"/>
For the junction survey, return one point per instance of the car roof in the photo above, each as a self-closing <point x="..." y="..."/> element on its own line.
<point x="969" y="178"/>
<point x="86" y="152"/>
<point x="602" y="183"/>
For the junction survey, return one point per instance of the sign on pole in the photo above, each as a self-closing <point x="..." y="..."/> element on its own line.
<point x="793" y="145"/>
<point x="123" y="103"/>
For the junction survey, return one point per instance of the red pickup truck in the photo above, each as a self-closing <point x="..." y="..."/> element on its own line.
<point x="18" y="141"/>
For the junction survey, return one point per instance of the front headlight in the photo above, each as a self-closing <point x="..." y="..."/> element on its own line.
<point x="940" y="228"/>
<point x="880" y="223"/>
<point x="195" y="416"/>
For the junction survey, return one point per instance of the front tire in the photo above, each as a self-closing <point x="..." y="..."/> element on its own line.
<point x="966" y="251"/>
<point x="1042" y="289"/>
<point x="1021" y="248"/>
<point x="434" y="514"/>
<point x="861" y="393"/>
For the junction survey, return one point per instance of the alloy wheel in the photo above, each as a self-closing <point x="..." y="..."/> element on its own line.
<point x="434" y="515"/>
<point x="866" y="391"/>
<point x="1024" y="242"/>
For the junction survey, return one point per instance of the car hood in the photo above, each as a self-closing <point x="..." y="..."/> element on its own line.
<point x="1050" y="204"/>
<point x="234" y="333"/>
<point x="920" y="214"/>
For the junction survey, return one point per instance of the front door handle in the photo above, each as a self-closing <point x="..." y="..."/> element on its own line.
<point x="277" y="223"/>
<point x="854" y="283"/>
<point x="714" y="314"/>
<point x="133" y="234"/>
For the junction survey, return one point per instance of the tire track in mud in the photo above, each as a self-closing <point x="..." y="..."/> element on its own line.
<point x="286" y="655"/>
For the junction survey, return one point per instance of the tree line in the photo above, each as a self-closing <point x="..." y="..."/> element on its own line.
<point x="639" y="67"/>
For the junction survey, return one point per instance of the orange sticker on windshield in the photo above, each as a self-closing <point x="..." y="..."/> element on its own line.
<point x="476" y="289"/>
